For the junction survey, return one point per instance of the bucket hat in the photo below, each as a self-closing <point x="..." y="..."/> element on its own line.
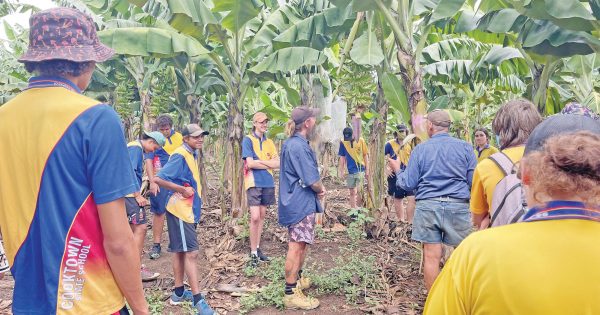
<point x="66" y="34"/>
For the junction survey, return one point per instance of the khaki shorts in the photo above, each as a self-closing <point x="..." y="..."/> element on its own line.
<point x="354" y="180"/>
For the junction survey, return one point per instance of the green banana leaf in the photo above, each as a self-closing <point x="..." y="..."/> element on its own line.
<point x="366" y="50"/>
<point x="148" y="41"/>
<point x="289" y="59"/>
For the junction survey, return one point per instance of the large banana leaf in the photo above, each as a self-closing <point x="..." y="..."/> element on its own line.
<point x="366" y="50"/>
<point x="289" y="59"/>
<point x="278" y="21"/>
<point x="395" y="94"/>
<point x="147" y="41"/>
<point x="540" y="36"/>
<point x="567" y="14"/>
<point x="317" y="30"/>
<point x="239" y="12"/>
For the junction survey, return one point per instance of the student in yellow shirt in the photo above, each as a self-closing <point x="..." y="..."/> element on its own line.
<point x="483" y="149"/>
<point x="547" y="264"/>
<point x="513" y="123"/>
<point x="353" y="155"/>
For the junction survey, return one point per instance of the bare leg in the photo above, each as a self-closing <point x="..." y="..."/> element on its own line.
<point x="139" y="233"/>
<point x="263" y="213"/>
<point x="432" y="254"/>
<point x="191" y="270"/>
<point x="158" y="222"/>
<point x="255" y="227"/>
<point x="352" y="197"/>
<point x="410" y="208"/>
<point x="178" y="265"/>
<point x="398" y="206"/>
<point x="293" y="260"/>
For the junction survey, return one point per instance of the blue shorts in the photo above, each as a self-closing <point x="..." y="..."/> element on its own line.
<point x="158" y="203"/>
<point x="441" y="222"/>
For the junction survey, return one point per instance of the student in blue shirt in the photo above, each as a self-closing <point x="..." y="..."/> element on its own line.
<point x="139" y="151"/>
<point x="181" y="177"/>
<point x="354" y="156"/>
<point x="300" y="192"/>
<point x="441" y="170"/>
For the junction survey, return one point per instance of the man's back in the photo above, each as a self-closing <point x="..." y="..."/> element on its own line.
<point x="523" y="268"/>
<point x="441" y="166"/>
<point x="62" y="154"/>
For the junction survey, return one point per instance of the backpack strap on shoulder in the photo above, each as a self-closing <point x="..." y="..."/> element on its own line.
<point x="505" y="164"/>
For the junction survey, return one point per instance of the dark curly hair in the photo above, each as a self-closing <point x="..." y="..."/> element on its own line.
<point x="58" y="67"/>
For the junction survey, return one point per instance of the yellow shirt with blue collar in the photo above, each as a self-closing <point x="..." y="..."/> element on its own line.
<point x="261" y="149"/>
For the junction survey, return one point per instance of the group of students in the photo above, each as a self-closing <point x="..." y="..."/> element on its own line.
<point x="72" y="203"/>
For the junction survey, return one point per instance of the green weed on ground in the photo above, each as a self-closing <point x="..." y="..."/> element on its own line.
<point x="353" y="275"/>
<point x="272" y="293"/>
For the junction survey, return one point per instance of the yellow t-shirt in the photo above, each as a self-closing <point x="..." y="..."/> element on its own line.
<point x="401" y="151"/>
<point x="544" y="267"/>
<point x="485" y="178"/>
<point x="485" y="153"/>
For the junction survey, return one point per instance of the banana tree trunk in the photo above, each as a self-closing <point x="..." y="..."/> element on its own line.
<point x="145" y="102"/>
<point x="235" y="133"/>
<point x="376" y="141"/>
<point x="413" y="81"/>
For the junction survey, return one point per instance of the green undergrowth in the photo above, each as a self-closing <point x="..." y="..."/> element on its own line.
<point x="353" y="275"/>
<point x="272" y="293"/>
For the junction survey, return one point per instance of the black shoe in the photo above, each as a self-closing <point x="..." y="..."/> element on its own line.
<point x="262" y="256"/>
<point x="254" y="260"/>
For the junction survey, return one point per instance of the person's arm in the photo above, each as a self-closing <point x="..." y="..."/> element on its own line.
<point x="478" y="204"/>
<point x="258" y="164"/>
<point x="154" y="189"/>
<point x="121" y="253"/>
<point x="481" y="220"/>
<point x="409" y="178"/>
<point x="111" y="178"/>
<point x="365" y="156"/>
<point x="471" y="164"/>
<point x="183" y="190"/>
<point x="141" y="201"/>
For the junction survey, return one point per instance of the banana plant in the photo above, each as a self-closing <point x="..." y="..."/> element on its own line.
<point x="544" y="31"/>
<point x="235" y="36"/>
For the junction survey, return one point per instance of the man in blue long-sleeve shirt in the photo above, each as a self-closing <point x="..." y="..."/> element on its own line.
<point x="441" y="172"/>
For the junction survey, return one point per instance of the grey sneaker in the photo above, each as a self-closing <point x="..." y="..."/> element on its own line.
<point x="254" y="260"/>
<point x="154" y="251"/>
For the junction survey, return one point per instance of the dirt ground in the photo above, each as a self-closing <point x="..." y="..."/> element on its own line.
<point x="223" y="258"/>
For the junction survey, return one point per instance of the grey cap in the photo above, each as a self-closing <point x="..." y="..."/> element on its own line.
<point x="559" y="124"/>
<point x="440" y="118"/>
<point x="193" y="130"/>
<point x="301" y="114"/>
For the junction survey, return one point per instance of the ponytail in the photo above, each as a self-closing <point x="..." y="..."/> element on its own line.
<point x="290" y="128"/>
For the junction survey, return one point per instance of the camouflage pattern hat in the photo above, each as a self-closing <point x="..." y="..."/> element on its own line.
<point x="64" y="33"/>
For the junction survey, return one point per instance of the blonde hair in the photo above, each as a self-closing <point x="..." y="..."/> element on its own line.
<point x="290" y="128"/>
<point x="567" y="164"/>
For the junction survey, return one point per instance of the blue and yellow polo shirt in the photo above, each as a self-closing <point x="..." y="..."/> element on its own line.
<point x="182" y="169"/>
<point x="354" y="153"/>
<point x="258" y="149"/>
<point x="395" y="150"/>
<point x="62" y="154"/>
<point x="174" y="141"/>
